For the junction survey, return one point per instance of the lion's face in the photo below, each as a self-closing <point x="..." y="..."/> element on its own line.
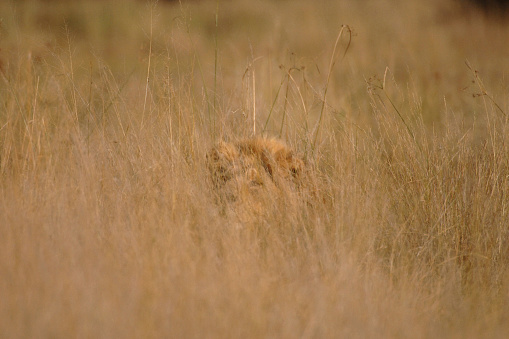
<point x="253" y="167"/>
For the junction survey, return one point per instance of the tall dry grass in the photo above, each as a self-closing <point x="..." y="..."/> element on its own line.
<point x="109" y="225"/>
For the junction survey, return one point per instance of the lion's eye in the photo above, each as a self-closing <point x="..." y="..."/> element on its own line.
<point x="223" y="174"/>
<point x="256" y="183"/>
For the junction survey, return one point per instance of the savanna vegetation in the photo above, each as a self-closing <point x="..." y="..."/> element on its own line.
<point x="110" y="226"/>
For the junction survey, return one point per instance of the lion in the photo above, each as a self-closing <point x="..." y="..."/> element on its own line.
<point x="258" y="171"/>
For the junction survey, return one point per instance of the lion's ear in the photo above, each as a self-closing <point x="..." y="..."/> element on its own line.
<point x="268" y="162"/>
<point x="297" y="166"/>
<point x="228" y="151"/>
<point x="219" y="161"/>
<point x="290" y="162"/>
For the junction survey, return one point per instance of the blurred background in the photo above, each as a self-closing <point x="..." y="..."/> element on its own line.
<point x="424" y="44"/>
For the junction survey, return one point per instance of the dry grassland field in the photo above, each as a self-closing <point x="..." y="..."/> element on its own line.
<point x="253" y="169"/>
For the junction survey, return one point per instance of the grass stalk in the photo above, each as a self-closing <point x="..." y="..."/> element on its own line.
<point x="148" y="64"/>
<point x="214" y="110"/>
<point x="329" y="73"/>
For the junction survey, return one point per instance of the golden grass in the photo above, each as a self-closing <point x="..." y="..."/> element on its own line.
<point x="109" y="223"/>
